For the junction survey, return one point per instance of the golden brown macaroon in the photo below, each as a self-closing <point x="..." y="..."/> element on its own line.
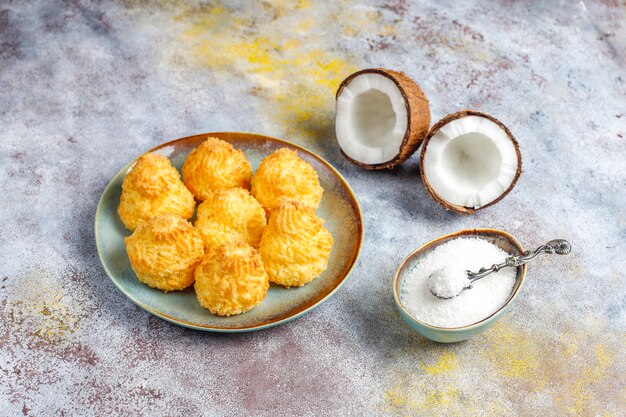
<point x="151" y="188"/>
<point x="230" y="215"/>
<point x="283" y="176"/>
<point x="215" y="165"/>
<point x="231" y="280"/>
<point x="295" y="246"/>
<point x="164" y="252"/>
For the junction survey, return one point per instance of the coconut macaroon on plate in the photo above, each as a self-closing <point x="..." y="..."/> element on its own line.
<point x="339" y="208"/>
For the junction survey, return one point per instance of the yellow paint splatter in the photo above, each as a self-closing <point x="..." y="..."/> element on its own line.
<point x="50" y="313"/>
<point x="568" y="367"/>
<point x="445" y="363"/>
<point x="388" y="30"/>
<point x="433" y="389"/>
<point x="579" y="398"/>
<point x="394" y="397"/>
<point x="515" y="356"/>
<point x="573" y="372"/>
<point x="356" y="21"/>
<point x="444" y="398"/>
<point x="296" y="73"/>
<point x="417" y="399"/>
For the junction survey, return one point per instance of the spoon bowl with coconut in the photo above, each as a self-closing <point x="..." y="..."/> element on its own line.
<point x="448" y="282"/>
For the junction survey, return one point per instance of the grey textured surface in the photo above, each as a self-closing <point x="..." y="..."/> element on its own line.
<point x="87" y="86"/>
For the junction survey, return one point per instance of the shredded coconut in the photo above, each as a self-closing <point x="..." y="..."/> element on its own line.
<point x="485" y="297"/>
<point x="448" y="282"/>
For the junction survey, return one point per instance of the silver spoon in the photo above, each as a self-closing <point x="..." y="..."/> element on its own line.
<point x="558" y="246"/>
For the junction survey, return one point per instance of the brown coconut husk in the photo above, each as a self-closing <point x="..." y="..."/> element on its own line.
<point x="418" y="114"/>
<point x="445" y="121"/>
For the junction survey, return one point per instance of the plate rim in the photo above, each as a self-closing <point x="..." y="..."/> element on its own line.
<point x="184" y="323"/>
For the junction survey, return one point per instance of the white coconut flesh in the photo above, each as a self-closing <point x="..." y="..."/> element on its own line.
<point x="371" y="119"/>
<point x="470" y="162"/>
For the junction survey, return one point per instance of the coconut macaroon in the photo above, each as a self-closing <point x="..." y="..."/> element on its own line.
<point x="215" y="165"/>
<point x="164" y="252"/>
<point x="230" y="215"/>
<point x="295" y="246"/>
<point x="469" y="161"/>
<point x="151" y="188"/>
<point x="231" y="280"/>
<point x="283" y="176"/>
<point x="382" y="117"/>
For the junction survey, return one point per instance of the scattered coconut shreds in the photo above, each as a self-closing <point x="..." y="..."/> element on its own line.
<point x="469" y="161"/>
<point x="382" y="116"/>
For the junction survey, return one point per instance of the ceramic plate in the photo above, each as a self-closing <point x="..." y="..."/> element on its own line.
<point x="339" y="208"/>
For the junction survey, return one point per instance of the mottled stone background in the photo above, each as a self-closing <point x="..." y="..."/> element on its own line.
<point x="85" y="86"/>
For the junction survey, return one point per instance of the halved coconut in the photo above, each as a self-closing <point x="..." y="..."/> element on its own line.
<point x="382" y="117"/>
<point x="470" y="161"/>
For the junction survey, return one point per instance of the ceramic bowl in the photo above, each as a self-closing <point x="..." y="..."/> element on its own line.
<point x="339" y="208"/>
<point x="456" y="334"/>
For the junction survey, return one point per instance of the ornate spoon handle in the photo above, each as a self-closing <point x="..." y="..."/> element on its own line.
<point x="558" y="246"/>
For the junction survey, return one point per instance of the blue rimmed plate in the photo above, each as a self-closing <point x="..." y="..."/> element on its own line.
<point x="339" y="208"/>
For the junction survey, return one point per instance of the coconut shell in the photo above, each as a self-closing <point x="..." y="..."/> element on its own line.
<point x="454" y="116"/>
<point x="418" y="115"/>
